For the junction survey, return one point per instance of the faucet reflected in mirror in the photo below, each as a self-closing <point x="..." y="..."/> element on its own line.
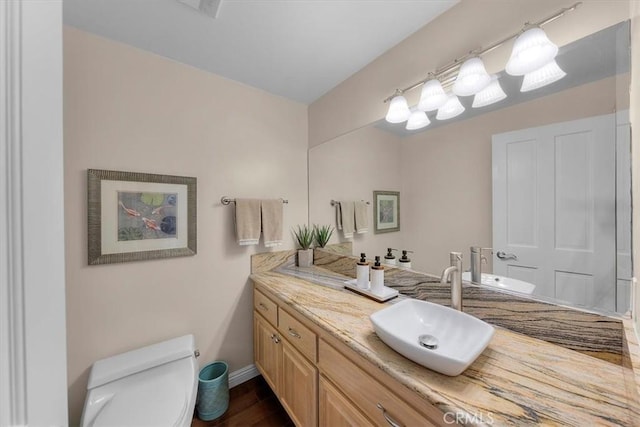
<point x="453" y="274"/>
<point x="476" y="262"/>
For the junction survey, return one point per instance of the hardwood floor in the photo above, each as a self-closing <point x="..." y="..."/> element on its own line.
<point x="250" y="404"/>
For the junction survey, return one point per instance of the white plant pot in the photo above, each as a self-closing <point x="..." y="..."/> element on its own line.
<point x="305" y="258"/>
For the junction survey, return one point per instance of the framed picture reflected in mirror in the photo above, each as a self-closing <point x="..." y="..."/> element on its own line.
<point x="386" y="211"/>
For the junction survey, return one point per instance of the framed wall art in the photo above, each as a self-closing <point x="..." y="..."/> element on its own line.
<point x="386" y="211"/>
<point x="139" y="216"/>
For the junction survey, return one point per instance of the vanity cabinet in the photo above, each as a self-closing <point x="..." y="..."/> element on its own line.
<point x="285" y="355"/>
<point x="321" y="381"/>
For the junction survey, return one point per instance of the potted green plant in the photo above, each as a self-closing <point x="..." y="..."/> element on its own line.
<point x="322" y="234"/>
<point x="305" y="236"/>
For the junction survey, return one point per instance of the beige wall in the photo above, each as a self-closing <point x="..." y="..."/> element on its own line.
<point x="471" y="24"/>
<point x="125" y="109"/>
<point x="446" y="171"/>
<point x="351" y="167"/>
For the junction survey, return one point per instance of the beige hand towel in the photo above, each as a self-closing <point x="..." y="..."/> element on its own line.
<point x="361" y="217"/>
<point x="272" y="222"/>
<point x="347" y="219"/>
<point x="248" y="221"/>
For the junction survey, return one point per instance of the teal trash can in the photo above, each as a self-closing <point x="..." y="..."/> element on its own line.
<point x="213" y="391"/>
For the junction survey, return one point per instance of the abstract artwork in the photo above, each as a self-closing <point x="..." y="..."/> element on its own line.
<point x="138" y="216"/>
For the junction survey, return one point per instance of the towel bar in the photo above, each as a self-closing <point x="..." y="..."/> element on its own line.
<point x="334" y="202"/>
<point x="226" y="200"/>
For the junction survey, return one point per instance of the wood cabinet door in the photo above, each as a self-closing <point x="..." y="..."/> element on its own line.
<point x="266" y="349"/>
<point x="299" y="387"/>
<point x="336" y="410"/>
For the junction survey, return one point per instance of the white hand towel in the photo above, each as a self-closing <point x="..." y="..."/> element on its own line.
<point x="361" y="217"/>
<point x="272" y="222"/>
<point x="248" y="221"/>
<point x="348" y="219"/>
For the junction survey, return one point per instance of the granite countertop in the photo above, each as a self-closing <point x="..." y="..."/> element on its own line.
<point x="517" y="380"/>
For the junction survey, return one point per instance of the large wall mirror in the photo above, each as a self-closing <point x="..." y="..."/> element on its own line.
<point x="542" y="178"/>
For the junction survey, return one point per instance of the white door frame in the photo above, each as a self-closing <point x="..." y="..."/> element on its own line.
<point x="33" y="366"/>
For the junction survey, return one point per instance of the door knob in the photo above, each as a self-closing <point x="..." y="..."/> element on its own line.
<point x="504" y="256"/>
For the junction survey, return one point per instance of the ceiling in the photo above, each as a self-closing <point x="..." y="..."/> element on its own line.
<point x="298" y="49"/>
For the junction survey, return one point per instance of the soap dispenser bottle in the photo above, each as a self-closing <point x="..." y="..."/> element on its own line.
<point x="389" y="258"/>
<point x="377" y="277"/>
<point x="362" y="272"/>
<point x="404" y="261"/>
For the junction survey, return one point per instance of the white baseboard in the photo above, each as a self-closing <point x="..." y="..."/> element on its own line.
<point x="242" y="375"/>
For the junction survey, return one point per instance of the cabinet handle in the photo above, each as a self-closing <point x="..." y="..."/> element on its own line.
<point x="264" y="307"/>
<point x="275" y="338"/>
<point x="391" y="421"/>
<point x="293" y="333"/>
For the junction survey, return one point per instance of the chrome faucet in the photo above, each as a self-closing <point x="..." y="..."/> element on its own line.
<point x="454" y="273"/>
<point x="476" y="263"/>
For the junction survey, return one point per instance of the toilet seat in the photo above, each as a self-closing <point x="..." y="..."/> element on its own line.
<point x="161" y="393"/>
<point x="156" y="402"/>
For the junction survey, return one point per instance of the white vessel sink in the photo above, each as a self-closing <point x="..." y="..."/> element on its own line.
<point x="412" y="327"/>
<point x="503" y="282"/>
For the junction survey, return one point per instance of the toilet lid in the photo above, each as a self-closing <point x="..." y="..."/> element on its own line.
<point x="156" y="402"/>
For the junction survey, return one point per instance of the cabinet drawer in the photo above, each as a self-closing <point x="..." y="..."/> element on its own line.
<point x="366" y="392"/>
<point x="267" y="308"/>
<point x="297" y="334"/>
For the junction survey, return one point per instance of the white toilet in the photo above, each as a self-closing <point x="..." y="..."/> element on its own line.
<point x="151" y="386"/>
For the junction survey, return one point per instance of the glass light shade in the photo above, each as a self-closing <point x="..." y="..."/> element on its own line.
<point x="432" y="96"/>
<point x="417" y="120"/>
<point x="541" y="77"/>
<point x="472" y="78"/>
<point x="531" y="50"/>
<point x="450" y="109"/>
<point x="398" y="110"/>
<point x="489" y="95"/>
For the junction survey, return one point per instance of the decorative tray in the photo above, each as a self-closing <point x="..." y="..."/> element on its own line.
<point x="384" y="295"/>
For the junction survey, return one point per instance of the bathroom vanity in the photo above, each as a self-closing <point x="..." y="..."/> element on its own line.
<point x="320" y="379"/>
<point x="316" y="348"/>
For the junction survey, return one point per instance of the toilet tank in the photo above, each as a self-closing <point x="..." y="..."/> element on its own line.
<point x="113" y="368"/>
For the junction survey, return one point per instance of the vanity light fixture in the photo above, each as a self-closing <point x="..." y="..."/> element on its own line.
<point x="432" y="96"/>
<point x="398" y="109"/>
<point x="489" y="95"/>
<point x="472" y="78"/>
<point x="542" y="77"/>
<point x="417" y="120"/>
<point x="532" y="55"/>
<point x="531" y="50"/>
<point x="452" y="108"/>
